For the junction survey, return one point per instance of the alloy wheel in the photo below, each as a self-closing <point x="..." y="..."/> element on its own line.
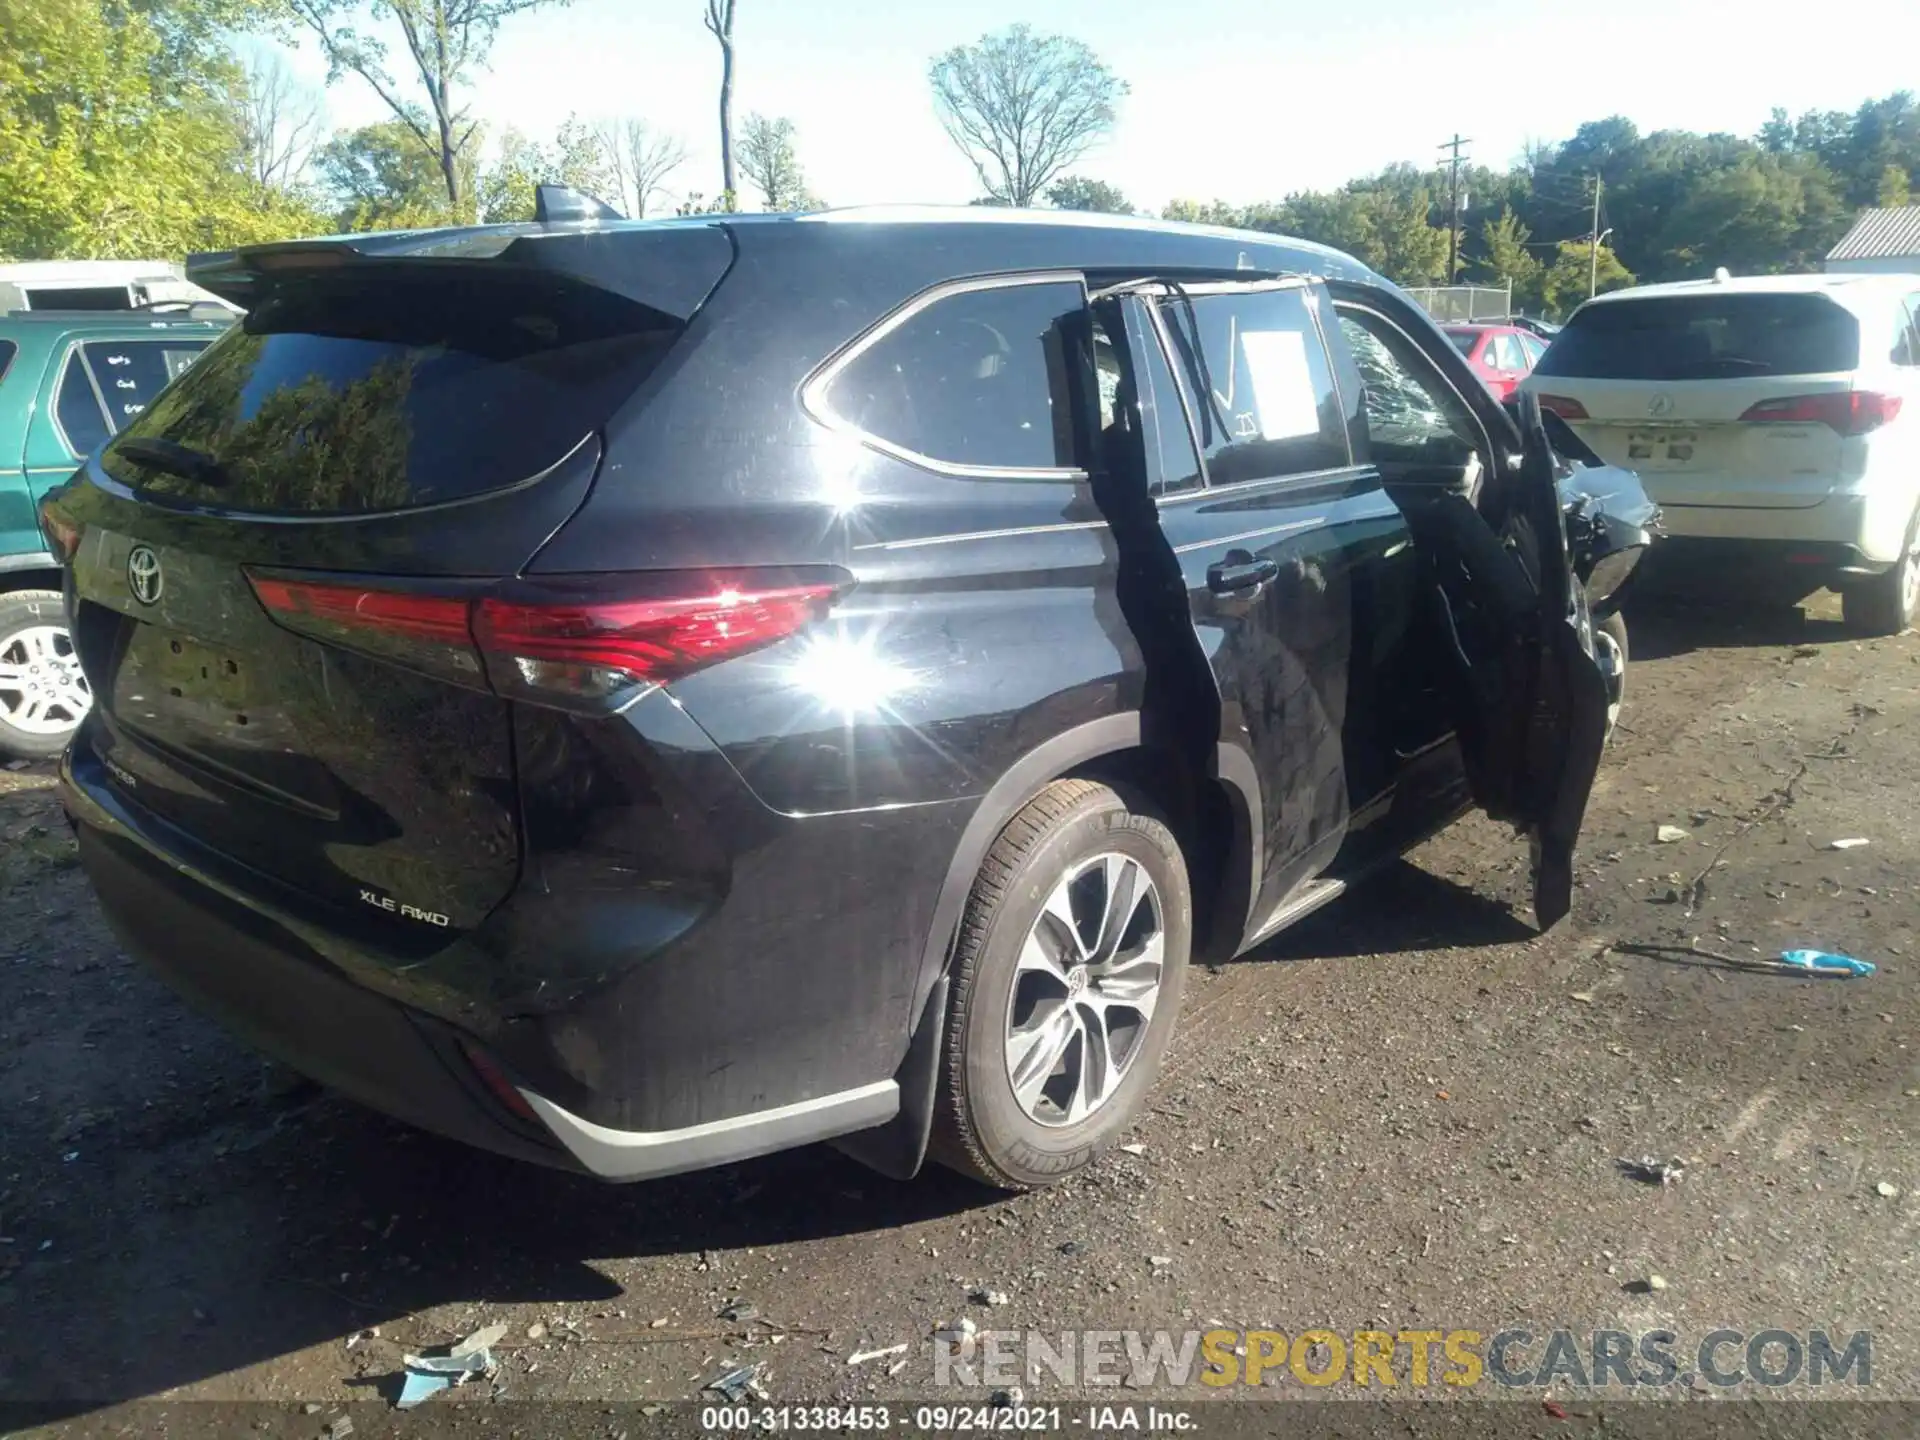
<point x="43" y="691"/>
<point x="1084" y="990"/>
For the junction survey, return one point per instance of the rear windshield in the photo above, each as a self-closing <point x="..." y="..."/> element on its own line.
<point x="1705" y="337"/>
<point x="413" y="388"/>
<point x="1463" y="340"/>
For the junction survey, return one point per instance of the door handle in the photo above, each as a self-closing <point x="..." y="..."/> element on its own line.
<point x="1240" y="571"/>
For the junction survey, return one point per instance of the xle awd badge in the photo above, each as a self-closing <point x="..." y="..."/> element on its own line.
<point x="405" y="912"/>
<point x="143" y="575"/>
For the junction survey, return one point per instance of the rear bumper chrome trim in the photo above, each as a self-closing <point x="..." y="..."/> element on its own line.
<point x="646" y="1154"/>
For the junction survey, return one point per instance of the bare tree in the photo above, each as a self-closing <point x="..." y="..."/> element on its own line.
<point x="446" y="41"/>
<point x="720" y="22"/>
<point x="640" y="159"/>
<point x="280" y="123"/>
<point x="768" y="160"/>
<point x="1022" y="107"/>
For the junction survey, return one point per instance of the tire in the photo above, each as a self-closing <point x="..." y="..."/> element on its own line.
<point x="1012" y="1002"/>
<point x="1614" y="628"/>
<point x="1885" y="605"/>
<point x="43" y="695"/>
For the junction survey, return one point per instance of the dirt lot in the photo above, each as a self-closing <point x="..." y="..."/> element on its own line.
<point x="1405" y="1113"/>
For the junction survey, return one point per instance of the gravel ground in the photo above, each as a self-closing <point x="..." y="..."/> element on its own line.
<point x="1405" y="1113"/>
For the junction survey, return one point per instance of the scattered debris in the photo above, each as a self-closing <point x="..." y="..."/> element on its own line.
<point x="739" y="1311"/>
<point x="1555" y="1409"/>
<point x="1072" y="1247"/>
<point x="861" y="1357"/>
<point x="741" y="1383"/>
<point x="1853" y="843"/>
<point x="1007" y="1399"/>
<point x="957" y="1330"/>
<point x="1160" y="1262"/>
<point x="339" y="1428"/>
<point x="1887" y="1190"/>
<point x="1133" y="1149"/>
<point x="428" y="1375"/>
<point x="537" y="1330"/>
<point x="989" y="1297"/>
<point x="1651" y="1170"/>
<point x="1669" y="834"/>
<point x="1825" y="963"/>
<point x="1656" y="1282"/>
<point x="1585" y="997"/>
<point x="480" y="1341"/>
<point x="312" y="1407"/>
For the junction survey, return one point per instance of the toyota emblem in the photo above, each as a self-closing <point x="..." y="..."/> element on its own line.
<point x="143" y="575"/>
<point x="1660" y="405"/>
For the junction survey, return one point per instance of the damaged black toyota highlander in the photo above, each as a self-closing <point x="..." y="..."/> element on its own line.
<point x="636" y="696"/>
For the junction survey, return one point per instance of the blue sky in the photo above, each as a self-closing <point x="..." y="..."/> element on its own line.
<point x="1230" y="99"/>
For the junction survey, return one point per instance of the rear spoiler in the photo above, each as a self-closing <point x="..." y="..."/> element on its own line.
<point x="668" y="265"/>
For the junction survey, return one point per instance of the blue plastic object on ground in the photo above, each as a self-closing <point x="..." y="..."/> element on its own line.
<point x="1826" y="963"/>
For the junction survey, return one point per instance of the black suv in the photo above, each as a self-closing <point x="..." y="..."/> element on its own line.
<point x="636" y="696"/>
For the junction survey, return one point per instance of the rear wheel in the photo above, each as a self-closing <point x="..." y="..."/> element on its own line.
<point x="1886" y="604"/>
<point x="43" y="694"/>
<point x="1071" y="960"/>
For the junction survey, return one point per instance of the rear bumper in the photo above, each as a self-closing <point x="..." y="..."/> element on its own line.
<point x="256" y="971"/>
<point x="1866" y="517"/>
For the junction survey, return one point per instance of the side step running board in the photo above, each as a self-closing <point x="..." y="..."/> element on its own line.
<point x="1300" y="904"/>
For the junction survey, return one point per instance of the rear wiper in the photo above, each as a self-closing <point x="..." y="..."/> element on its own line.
<point x="181" y="460"/>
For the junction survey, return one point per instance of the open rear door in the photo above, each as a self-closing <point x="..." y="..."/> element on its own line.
<point x="1530" y="698"/>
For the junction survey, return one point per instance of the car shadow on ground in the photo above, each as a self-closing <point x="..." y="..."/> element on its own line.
<point x="1404" y="908"/>
<point x="1675" y="617"/>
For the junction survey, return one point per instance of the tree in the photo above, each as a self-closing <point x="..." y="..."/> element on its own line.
<point x="119" y="133"/>
<point x="505" y="191"/>
<point x="446" y="41"/>
<point x="1565" y="285"/>
<point x="1194" y="212"/>
<point x="1075" y="192"/>
<point x="1022" y="107"/>
<point x="1508" y="260"/>
<point x="719" y="20"/>
<point x="639" y="159"/>
<point x="769" y="162"/>
<point x="380" y="177"/>
<point x="280" y="125"/>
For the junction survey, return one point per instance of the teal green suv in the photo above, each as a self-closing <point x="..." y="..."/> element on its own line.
<point x="68" y="381"/>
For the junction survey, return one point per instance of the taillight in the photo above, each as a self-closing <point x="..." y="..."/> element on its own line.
<point x="567" y="636"/>
<point x="1850" y="412"/>
<point x="571" y="640"/>
<point x="495" y="1079"/>
<point x="1565" y="406"/>
<point x="63" y="535"/>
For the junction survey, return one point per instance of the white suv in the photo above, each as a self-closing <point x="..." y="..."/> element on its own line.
<point x="1773" y="419"/>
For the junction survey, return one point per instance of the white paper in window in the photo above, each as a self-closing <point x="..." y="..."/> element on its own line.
<point x="1283" y="389"/>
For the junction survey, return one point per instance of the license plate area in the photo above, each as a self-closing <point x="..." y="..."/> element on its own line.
<point x="1662" y="449"/>
<point x="173" y="675"/>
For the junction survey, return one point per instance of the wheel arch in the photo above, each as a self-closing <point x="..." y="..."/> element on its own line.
<point x="1216" y="817"/>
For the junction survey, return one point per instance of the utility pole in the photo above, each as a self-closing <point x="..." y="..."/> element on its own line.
<point x="1453" y="204"/>
<point x="1593" y="251"/>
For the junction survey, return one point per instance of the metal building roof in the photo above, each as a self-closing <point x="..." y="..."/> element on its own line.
<point x="1881" y="234"/>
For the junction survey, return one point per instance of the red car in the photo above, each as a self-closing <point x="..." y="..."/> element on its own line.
<point x="1502" y="355"/>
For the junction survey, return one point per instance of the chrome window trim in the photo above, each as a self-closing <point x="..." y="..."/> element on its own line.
<point x="813" y="391"/>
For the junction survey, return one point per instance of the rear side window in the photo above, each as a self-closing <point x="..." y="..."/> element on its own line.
<point x="1261" y="388"/>
<point x="1705" y="337"/>
<point x="1906" y="350"/>
<point x="7" y="351"/>
<point x="106" y="383"/>
<point x="976" y="379"/>
<point x="1463" y="340"/>
<point x="414" y="387"/>
<point x="77" y="408"/>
